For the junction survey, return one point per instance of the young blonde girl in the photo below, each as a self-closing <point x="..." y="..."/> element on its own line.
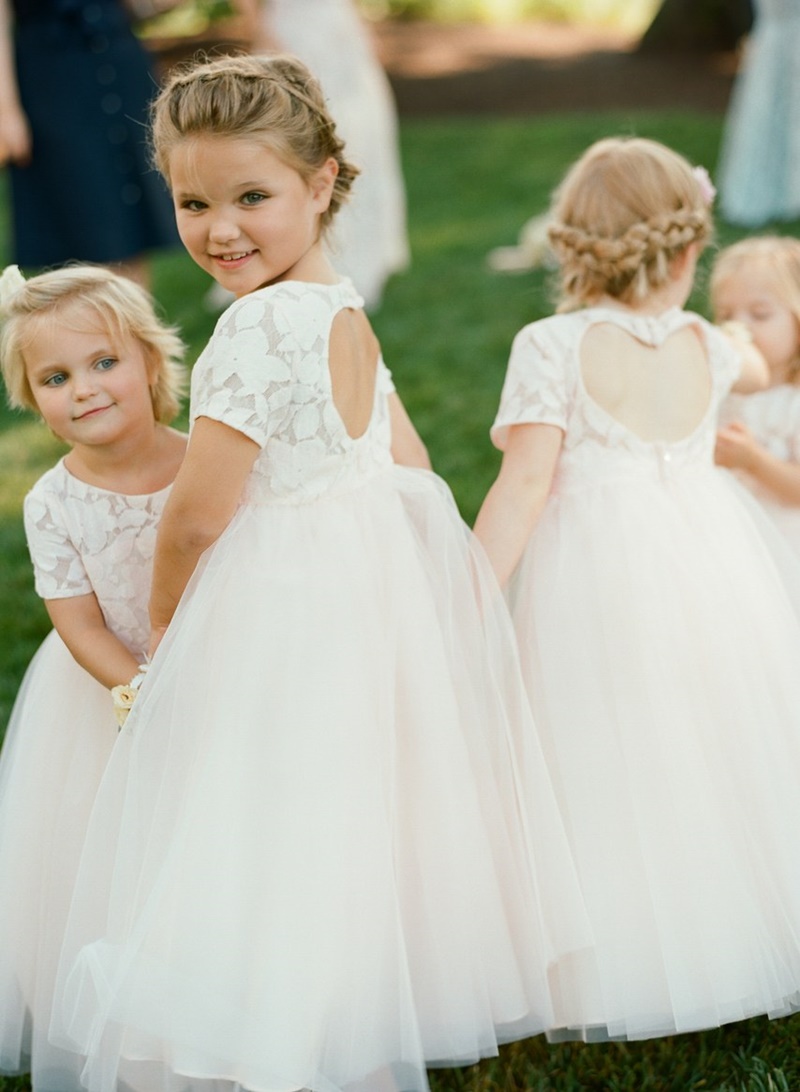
<point x="659" y="644"/>
<point x="311" y="864"/>
<point x="83" y="348"/>
<point x="756" y="282"/>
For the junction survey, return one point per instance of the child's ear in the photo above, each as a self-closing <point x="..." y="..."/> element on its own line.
<point x="322" y="183"/>
<point x="682" y="261"/>
<point x="152" y="366"/>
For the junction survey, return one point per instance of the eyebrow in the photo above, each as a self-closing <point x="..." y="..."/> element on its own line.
<point x="257" y="184"/>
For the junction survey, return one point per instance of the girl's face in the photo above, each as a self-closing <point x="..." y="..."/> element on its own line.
<point x="751" y="297"/>
<point x="91" y="387"/>
<point x="246" y="216"/>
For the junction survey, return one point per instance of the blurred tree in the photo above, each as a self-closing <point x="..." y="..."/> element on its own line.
<point x="702" y="25"/>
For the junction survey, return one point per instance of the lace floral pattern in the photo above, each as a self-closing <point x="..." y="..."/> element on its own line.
<point x="83" y="539"/>
<point x="773" y="416"/>
<point x="265" y="374"/>
<point x="543" y="386"/>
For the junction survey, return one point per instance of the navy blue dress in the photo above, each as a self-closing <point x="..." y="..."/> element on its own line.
<point x="90" y="192"/>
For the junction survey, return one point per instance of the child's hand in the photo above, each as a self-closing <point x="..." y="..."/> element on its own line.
<point x="124" y="696"/>
<point x="736" y="447"/>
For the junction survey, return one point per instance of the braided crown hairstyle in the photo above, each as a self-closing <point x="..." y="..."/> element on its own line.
<point x="271" y="98"/>
<point x="624" y="211"/>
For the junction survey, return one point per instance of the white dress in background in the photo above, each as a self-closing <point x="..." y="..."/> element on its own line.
<point x="773" y="416"/>
<point x="82" y="539"/>
<point x="759" y="170"/>
<point x="368" y="239"/>
<point x="661" y="651"/>
<point x="326" y="851"/>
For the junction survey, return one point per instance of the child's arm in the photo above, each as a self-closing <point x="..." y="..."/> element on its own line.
<point x="738" y="449"/>
<point x="754" y="374"/>
<point x="201" y="504"/>
<point x="407" y="446"/>
<point x="514" y="504"/>
<point x="82" y="627"/>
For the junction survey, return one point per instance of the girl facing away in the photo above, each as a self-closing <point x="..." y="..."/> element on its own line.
<point x="757" y="282"/>
<point x="326" y="853"/>
<point x="659" y="644"/>
<point x="83" y="348"/>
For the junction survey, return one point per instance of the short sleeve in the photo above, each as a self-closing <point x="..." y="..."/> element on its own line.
<point x="384" y="379"/>
<point x="243" y="377"/>
<point x="793" y="438"/>
<point x="535" y="390"/>
<point x="724" y="359"/>
<point x="58" y="568"/>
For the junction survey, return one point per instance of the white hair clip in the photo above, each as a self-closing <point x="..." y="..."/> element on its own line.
<point x="708" y="190"/>
<point x="11" y="280"/>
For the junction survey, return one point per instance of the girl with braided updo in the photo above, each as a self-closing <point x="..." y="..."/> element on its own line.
<point x="657" y="615"/>
<point x="309" y="863"/>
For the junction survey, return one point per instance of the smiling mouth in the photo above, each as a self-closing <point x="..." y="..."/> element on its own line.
<point x="91" y="413"/>
<point x="229" y="259"/>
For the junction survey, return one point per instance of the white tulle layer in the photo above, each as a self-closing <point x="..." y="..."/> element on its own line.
<point x="661" y="637"/>
<point x="57" y="743"/>
<point x="326" y="852"/>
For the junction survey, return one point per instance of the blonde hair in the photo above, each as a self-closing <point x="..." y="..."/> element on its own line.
<point x="624" y="211"/>
<point x="274" y="99"/>
<point x="777" y="255"/>
<point x="120" y="305"/>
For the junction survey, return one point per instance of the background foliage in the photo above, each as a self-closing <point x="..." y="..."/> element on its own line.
<point x="633" y="14"/>
<point x="446" y="327"/>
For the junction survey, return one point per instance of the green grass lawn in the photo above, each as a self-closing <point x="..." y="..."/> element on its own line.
<point x="446" y="328"/>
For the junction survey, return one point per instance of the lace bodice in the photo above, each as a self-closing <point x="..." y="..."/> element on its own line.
<point x="773" y="416"/>
<point x="265" y="373"/>
<point x="543" y="385"/>
<point x="84" y="539"/>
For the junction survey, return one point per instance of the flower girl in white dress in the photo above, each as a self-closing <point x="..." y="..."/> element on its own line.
<point x="326" y="852"/>
<point x="757" y="282"/>
<point x="84" y="349"/>
<point x="658" y="639"/>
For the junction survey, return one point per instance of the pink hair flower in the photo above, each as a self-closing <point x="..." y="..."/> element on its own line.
<point x="708" y="190"/>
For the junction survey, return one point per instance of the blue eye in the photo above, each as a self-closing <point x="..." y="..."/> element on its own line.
<point x="192" y="206"/>
<point x="55" y="380"/>
<point x="253" y="198"/>
<point x="104" y="363"/>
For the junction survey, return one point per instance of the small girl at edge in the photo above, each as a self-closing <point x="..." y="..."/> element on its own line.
<point x="312" y="862"/>
<point x="83" y="348"/>
<point x="659" y="643"/>
<point x="757" y="282"/>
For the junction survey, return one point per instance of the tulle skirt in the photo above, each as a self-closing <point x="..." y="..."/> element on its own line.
<point x="326" y="852"/>
<point x="660" y="640"/>
<point x="57" y="743"/>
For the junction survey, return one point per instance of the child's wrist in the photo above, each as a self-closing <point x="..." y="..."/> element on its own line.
<point x="124" y="696"/>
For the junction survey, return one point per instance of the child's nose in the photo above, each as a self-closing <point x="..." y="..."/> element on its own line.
<point x="223" y="229"/>
<point x="84" y="384"/>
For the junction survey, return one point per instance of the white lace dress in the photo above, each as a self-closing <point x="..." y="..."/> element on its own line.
<point x="773" y="416"/>
<point x="759" y="172"/>
<point x="326" y="851"/>
<point x="368" y="239"/>
<point x="661" y="650"/>
<point x="82" y="540"/>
